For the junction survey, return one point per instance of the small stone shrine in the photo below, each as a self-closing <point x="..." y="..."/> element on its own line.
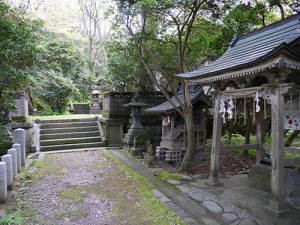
<point x="174" y="141"/>
<point x="135" y="139"/>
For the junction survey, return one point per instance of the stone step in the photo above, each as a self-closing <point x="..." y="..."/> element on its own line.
<point x="69" y="141"/>
<point x="69" y="135"/>
<point x="66" y="120"/>
<point x="72" y="146"/>
<point x="66" y="125"/>
<point x="69" y="130"/>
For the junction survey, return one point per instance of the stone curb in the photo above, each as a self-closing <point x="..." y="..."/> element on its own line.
<point x="179" y="212"/>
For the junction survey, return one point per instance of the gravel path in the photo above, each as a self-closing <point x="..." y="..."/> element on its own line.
<point x="61" y="199"/>
<point x="85" y="188"/>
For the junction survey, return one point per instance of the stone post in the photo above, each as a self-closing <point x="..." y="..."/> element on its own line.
<point x="8" y="160"/>
<point x="216" y="145"/>
<point x="19" y="156"/>
<point x="13" y="153"/>
<point x="3" y="182"/>
<point x="19" y="138"/>
<point x="276" y="204"/>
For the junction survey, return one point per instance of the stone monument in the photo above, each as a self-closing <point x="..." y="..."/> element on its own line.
<point x="95" y="107"/>
<point x="135" y="139"/>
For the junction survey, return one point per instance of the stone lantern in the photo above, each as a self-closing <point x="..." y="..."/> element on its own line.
<point x="136" y="138"/>
<point x="95" y="107"/>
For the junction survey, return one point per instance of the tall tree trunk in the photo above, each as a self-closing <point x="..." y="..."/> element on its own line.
<point x="190" y="129"/>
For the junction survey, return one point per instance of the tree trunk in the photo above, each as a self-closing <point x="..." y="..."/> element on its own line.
<point x="189" y="124"/>
<point x="191" y="142"/>
<point x="291" y="138"/>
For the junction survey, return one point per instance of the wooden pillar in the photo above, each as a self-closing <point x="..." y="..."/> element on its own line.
<point x="276" y="205"/>
<point x="216" y="145"/>
<point x="260" y="132"/>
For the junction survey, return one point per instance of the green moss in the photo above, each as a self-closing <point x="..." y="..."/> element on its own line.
<point x="74" y="194"/>
<point x="165" y="175"/>
<point x="149" y="209"/>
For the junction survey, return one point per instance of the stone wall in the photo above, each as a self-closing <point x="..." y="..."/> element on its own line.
<point x="21" y="106"/>
<point x="116" y="117"/>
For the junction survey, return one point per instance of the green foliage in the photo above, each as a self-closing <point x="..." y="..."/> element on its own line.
<point x="12" y="218"/>
<point x="18" y="51"/>
<point x="54" y="89"/>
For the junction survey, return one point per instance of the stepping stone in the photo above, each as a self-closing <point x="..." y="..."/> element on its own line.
<point x="247" y="221"/>
<point x="212" y="207"/>
<point x="228" y="217"/>
<point x="196" y="196"/>
<point x="157" y="193"/>
<point x="200" y="176"/>
<point x="187" y="178"/>
<point x="183" y="189"/>
<point x="174" y="182"/>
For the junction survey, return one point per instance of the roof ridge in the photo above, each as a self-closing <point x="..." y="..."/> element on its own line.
<point x="270" y="26"/>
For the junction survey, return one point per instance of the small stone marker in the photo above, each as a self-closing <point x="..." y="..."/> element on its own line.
<point x="3" y="182"/>
<point x="13" y="153"/>
<point x="19" y="156"/>
<point x="19" y="138"/>
<point x="9" y="173"/>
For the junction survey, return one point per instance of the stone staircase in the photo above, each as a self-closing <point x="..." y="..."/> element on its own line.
<point x="69" y="134"/>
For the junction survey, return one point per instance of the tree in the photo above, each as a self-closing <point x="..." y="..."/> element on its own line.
<point x="18" y="52"/>
<point x="171" y="24"/>
<point x="97" y="30"/>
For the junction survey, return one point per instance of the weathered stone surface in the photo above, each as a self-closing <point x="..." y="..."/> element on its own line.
<point x="183" y="189"/>
<point x="247" y="221"/>
<point x="228" y="217"/>
<point x="19" y="138"/>
<point x="9" y="173"/>
<point x="13" y="153"/>
<point x="174" y="182"/>
<point x="19" y="156"/>
<point x="196" y="196"/>
<point x="259" y="177"/>
<point x="156" y="193"/>
<point x="187" y="178"/>
<point x="3" y="182"/>
<point x="212" y="206"/>
<point x="201" y="176"/>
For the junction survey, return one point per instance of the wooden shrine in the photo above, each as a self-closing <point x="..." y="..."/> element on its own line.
<point x="173" y="141"/>
<point x="264" y="65"/>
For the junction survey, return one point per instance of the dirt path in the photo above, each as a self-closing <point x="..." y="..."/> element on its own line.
<point x="85" y="188"/>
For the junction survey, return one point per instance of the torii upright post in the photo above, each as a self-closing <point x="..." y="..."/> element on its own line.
<point x="276" y="204"/>
<point x="216" y="145"/>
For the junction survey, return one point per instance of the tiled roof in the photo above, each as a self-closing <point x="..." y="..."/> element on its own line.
<point x="251" y="48"/>
<point x="196" y="94"/>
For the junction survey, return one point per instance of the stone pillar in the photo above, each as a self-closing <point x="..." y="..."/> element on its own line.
<point x="276" y="205"/>
<point x="3" y="182"/>
<point x="19" y="156"/>
<point x="216" y="145"/>
<point x="260" y="130"/>
<point x="13" y="153"/>
<point x="8" y="160"/>
<point x="19" y="138"/>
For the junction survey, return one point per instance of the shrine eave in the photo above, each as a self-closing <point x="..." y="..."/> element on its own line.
<point x="251" y="49"/>
<point x="167" y="107"/>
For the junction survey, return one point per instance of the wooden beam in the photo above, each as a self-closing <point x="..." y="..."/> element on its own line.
<point x="267" y="147"/>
